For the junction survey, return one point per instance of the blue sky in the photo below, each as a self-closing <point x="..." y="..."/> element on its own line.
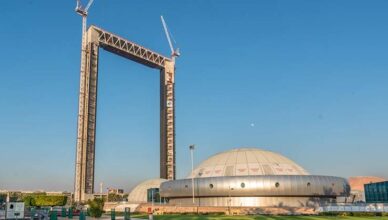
<point x="310" y="75"/>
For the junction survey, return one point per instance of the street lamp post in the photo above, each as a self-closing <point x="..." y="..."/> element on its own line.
<point x="230" y="199"/>
<point x="152" y="200"/>
<point x="191" y="147"/>
<point x="101" y="184"/>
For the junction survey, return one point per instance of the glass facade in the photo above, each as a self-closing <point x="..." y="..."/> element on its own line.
<point x="154" y="196"/>
<point x="376" y="192"/>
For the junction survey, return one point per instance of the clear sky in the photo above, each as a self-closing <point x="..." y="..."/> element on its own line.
<point x="307" y="79"/>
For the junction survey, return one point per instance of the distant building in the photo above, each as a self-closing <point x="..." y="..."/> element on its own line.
<point x="115" y="191"/>
<point x="357" y="186"/>
<point x="376" y="192"/>
<point x="101" y="196"/>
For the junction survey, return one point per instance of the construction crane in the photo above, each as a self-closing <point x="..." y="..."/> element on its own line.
<point x="174" y="52"/>
<point x="84" y="13"/>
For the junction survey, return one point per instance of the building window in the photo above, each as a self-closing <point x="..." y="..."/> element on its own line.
<point x="211" y="186"/>
<point x="242" y="185"/>
<point x="277" y="184"/>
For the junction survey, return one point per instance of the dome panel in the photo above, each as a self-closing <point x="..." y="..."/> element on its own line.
<point x="241" y="157"/>
<point x="251" y="158"/>
<point x="247" y="161"/>
<point x="254" y="169"/>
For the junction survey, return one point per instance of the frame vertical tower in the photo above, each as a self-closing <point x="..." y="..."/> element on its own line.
<point x="86" y="132"/>
<point x="167" y="121"/>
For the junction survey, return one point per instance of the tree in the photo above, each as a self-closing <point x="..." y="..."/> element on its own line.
<point x="43" y="200"/>
<point x="96" y="207"/>
<point x="15" y="197"/>
<point x="28" y="200"/>
<point x="113" y="197"/>
<point x="3" y="198"/>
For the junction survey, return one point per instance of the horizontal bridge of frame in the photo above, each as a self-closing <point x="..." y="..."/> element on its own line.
<point x="126" y="48"/>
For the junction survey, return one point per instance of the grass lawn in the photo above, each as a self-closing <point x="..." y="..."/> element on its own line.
<point x="256" y="217"/>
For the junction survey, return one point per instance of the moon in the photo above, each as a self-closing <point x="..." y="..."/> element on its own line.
<point x="252" y="124"/>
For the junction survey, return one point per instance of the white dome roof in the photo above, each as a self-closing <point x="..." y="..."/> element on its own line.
<point x="139" y="193"/>
<point x="247" y="161"/>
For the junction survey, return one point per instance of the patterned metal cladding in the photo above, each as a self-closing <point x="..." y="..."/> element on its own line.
<point x="269" y="201"/>
<point x="258" y="186"/>
<point x="85" y="158"/>
<point x="167" y="121"/>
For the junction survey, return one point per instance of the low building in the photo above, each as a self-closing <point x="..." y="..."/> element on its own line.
<point x="115" y="191"/>
<point x="357" y="186"/>
<point x="376" y="192"/>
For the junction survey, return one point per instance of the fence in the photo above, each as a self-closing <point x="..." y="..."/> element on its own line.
<point x="355" y="208"/>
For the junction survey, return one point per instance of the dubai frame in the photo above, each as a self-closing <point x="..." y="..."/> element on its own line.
<point x="94" y="39"/>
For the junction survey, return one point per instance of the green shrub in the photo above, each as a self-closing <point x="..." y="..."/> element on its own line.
<point x="329" y="213"/>
<point x="96" y="207"/>
<point x="43" y="200"/>
<point x="355" y="214"/>
<point x="3" y="198"/>
<point x="28" y="201"/>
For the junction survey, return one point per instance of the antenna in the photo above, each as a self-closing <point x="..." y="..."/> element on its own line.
<point x="174" y="52"/>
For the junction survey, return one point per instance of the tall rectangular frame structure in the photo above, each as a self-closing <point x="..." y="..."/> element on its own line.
<point x="87" y="110"/>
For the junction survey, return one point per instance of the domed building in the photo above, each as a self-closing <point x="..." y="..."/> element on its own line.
<point x="252" y="177"/>
<point x="139" y="193"/>
<point x="247" y="161"/>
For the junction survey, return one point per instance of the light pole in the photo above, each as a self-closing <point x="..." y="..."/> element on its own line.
<point x="152" y="200"/>
<point x="230" y="199"/>
<point x="191" y="147"/>
<point x="101" y="184"/>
